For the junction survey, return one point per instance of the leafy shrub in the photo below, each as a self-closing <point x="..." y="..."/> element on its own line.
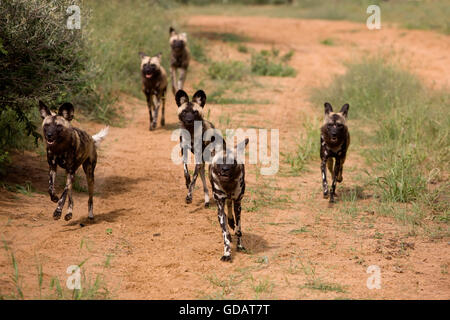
<point x="227" y="70"/>
<point x="267" y="63"/>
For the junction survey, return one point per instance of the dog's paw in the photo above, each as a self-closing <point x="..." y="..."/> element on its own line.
<point x="240" y="248"/>
<point x="163" y="122"/>
<point x="68" y="216"/>
<point x="325" y="195"/>
<point x="54" y="198"/>
<point x="57" y="214"/>
<point x="340" y="179"/>
<point x="188" y="199"/>
<point x="226" y="258"/>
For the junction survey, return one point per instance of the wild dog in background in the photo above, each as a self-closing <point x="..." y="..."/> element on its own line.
<point x="179" y="59"/>
<point x="334" y="142"/>
<point x="69" y="148"/>
<point x="227" y="178"/>
<point x="188" y="113"/>
<point x="154" y="85"/>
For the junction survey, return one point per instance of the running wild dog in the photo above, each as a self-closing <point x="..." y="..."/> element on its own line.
<point x="154" y="85"/>
<point x="69" y="148"/>
<point x="188" y="114"/>
<point x="179" y="59"/>
<point x="227" y="178"/>
<point x="334" y="142"/>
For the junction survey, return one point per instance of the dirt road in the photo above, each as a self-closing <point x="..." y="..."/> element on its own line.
<point x="148" y="244"/>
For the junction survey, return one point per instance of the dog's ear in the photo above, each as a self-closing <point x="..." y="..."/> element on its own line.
<point x="181" y="97"/>
<point x="328" y="108"/>
<point x="171" y="30"/>
<point x="142" y="55"/>
<point x="44" y="110"/>
<point x="183" y="36"/>
<point x="199" y="98"/>
<point x="66" y="111"/>
<point x="344" y="109"/>
<point x="159" y="56"/>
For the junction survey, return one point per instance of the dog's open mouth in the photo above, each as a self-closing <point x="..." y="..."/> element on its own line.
<point x="148" y="75"/>
<point x="50" y="142"/>
<point x="333" y="139"/>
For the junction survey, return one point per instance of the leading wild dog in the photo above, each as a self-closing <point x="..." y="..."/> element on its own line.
<point x="154" y="85"/>
<point x="190" y="112"/>
<point x="334" y="142"/>
<point x="179" y="59"/>
<point x="227" y="178"/>
<point x="69" y="147"/>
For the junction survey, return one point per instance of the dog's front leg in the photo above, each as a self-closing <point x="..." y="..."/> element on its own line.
<point x="225" y="233"/>
<point x="323" y="169"/>
<point x="205" y="186"/>
<point x="337" y="168"/>
<point x="163" y="98"/>
<point x="68" y="215"/>
<point x="62" y="200"/>
<point x="182" y="78"/>
<point x="237" y="214"/>
<point x="174" y="79"/>
<point x="150" y="107"/>
<point x="192" y="185"/>
<point x="52" y="176"/>
<point x="156" y="103"/>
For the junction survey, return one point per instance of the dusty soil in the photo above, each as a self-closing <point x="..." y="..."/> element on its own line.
<point x="148" y="244"/>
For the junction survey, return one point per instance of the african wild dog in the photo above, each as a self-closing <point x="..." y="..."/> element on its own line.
<point x="179" y="59"/>
<point x="154" y="85"/>
<point x="334" y="142"/>
<point x="188" y="114"/>
<point x="227" y="178"/>
<point x="69" y="147"/>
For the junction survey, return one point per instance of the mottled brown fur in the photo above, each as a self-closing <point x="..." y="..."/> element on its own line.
<point x="334" y="143"/>
<point x="69" y="148"/>
<point x="154" y="86"/>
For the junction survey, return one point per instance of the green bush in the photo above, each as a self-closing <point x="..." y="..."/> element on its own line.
<point x="39" y="59"/>
<point x="268" y="63"/>
<point x="227" y="70"/>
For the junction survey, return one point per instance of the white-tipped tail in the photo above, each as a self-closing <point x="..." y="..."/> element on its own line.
<point x="98" y="138"/>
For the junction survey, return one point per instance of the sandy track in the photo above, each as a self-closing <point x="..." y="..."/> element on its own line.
<point x="161" y="248"/>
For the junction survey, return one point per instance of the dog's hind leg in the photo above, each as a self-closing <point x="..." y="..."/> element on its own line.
<point x="62" y="200"/>
<point x="89" y="167"/>
<point x="205" y="186"/>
